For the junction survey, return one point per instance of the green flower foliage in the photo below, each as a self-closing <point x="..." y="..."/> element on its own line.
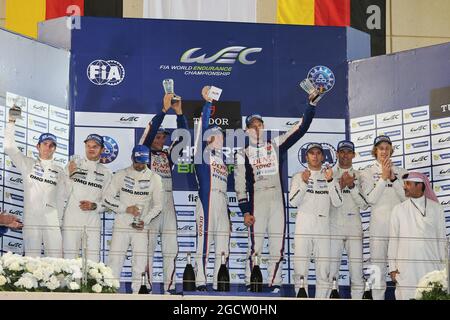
<point x="437" y="292"/>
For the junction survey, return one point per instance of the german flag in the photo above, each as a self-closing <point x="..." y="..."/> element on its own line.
<point x="23" y="16"/>
<point x="365" y="15"/>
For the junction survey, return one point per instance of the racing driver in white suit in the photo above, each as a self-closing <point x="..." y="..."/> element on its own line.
<point x="86" y="187"/>
<point x="345" y="221"/>
<point x="44" y="194"/>
<point x="382" y="186"/>
<point x="135" y="195"/>
<point x="313" y="192"/>
<point x="259" y="192"/>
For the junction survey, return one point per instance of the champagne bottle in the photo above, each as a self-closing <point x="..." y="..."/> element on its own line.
<point x="367" y="291"/>
<point x="302" y="291"/>
<point x="143" y="289"/>
<point x="334" y="291"/>
<point x="188" y="276"/>
<point x="223" y="278"/>
<point x="256" y="280"/>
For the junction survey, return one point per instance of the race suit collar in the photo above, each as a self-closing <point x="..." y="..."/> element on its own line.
<point x="46" y="162"/>
<point x="339" y="169"/>
<point x="137" y="173"/>
<point x="92" y="163"/>
<point x="315" y="172"/>
<point x="377" y="165"/>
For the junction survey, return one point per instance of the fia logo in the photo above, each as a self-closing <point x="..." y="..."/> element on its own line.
<point x="111" y="150"/>
<point x="101" y="72"/>
<point x="227" y="55"/>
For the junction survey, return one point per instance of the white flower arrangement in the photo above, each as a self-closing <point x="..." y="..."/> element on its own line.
<point x="19" y="273"/>
<point x="436" y="282"/>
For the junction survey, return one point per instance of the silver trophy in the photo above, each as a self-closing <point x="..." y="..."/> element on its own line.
<point x="77" y="159"/>
<point x="15" y="112"/>
<point x="168" y="85"/>
<point x="311" y="89"/>
<point x="137" y="219"/>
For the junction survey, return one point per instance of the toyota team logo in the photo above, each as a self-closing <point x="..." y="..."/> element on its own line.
<point x="111" y="150"/>
<point x="322" y="77"/>
<point x="101" y="72"/>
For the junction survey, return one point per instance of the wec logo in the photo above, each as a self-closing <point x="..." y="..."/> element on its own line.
<point x="420" y="159"/>
<point x="60" y="129"/>
<point x="228" y="55"/>
<point x="129" y="119"/>
<point x="391" y="117"/>
<point x="366" y="137"/>
<point x="419" y="128"/>
<point x="101" y="72"/>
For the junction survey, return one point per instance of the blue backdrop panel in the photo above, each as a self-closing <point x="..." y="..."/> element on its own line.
<point x="152" y="50"/>
<point x="142" y="46"/>
<point x="397" y="81"/>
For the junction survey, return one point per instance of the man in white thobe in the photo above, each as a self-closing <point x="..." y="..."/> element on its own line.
<point x="417" y="237"/>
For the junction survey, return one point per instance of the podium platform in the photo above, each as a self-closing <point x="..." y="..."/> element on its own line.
<point x="13" y="295"/>
<point x="239" y="290"/>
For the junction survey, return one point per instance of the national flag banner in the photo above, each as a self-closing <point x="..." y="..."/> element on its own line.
<point x="295" y="12"/>
<point x="23" y="16"/>
<point x="332" y="13"/>
<point x="365" y="15"/>
<point x="60" y="8"/>
<point x="103" y="8"/>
